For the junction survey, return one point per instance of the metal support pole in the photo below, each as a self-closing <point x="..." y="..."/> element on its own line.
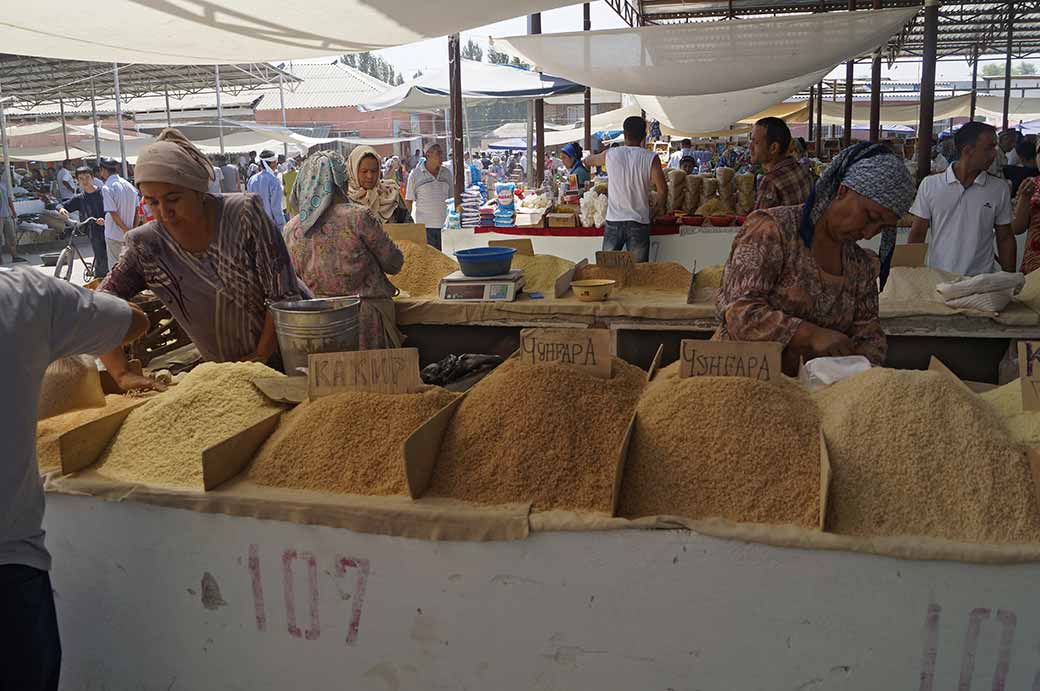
<point x="529" y="173"/>
<point x="93" y="115"/>
<point x="534" y="26"/>
<point x="1007" y="63"/>
<point x="927" y="111"/>
<point x="220" y="110"/>
<point x="166" y="92"/>
<point x="455" y="89"/>
<point x="281" y="104"/>
<point x="64" y="131"/>
<point x="119" y="118"/>
<point x="587" y="26"/>
<point x="819" y="120"/>
<point x="8" y="179"/>
<point x="875" y="95"/>
<point x="812" y="108"/>
<point x="846" y="137"/>
<point x="974" y="80"/>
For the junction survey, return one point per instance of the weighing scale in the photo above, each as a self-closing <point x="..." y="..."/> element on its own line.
<point x="459" y="287"/>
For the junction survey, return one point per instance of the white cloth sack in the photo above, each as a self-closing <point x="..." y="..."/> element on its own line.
<point x="824" y="371"/>
<point x="995" y="301"/>
<point x="983" y="283"/>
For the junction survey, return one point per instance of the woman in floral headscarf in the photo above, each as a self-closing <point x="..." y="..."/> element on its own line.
<point x="339" y="248"/>
<point x="365" y="187"/>
<point x="795" y="274"/>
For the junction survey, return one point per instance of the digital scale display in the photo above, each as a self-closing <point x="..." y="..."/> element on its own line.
<point x="465" y="291"/>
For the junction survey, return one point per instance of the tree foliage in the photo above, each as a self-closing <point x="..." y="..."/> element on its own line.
<point x="374" y="66"/>
<point x="471" y="51"/>
<point x="1017" y="69"/>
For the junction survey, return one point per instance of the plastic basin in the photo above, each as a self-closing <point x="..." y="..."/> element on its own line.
<point x="485" y="261"/>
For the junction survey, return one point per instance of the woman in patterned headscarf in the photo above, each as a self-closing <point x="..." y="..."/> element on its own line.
<point x="339" y="247"/>
<point x="215" y="260"/>
<point x="796" y="274"/>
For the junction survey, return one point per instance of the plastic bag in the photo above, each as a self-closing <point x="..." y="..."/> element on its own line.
<point x="983" y="302"/>
<point x="72" y="383"/>
<point x="824" y="371"/>
<point x="983" y="283"/>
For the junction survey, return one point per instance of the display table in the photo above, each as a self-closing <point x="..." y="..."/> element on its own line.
<point x="156" y="598"/>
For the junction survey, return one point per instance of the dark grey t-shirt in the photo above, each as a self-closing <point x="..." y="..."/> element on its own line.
<point x="42" y="320"/>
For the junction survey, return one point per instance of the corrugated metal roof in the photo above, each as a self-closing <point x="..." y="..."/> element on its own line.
<point x="329" y="85"/>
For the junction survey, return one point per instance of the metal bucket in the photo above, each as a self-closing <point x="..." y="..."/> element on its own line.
<point x="325" y="325"/>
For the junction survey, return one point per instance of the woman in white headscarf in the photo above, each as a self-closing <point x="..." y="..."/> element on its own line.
<point x="215" y="260"/>
<point x="366" y="187"/>
<point x="339" y="247"/>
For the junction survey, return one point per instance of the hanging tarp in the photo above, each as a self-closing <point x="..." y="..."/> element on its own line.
<point x="48" y="154"/>
<point x="708" y="57"/>
<point x="720" y="111"/>
<point x="192" y="32"/>
<point x="480" y="81"/>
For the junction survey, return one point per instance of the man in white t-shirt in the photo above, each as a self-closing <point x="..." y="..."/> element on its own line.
<point x="631" y="168"/>
<point x="686" y="149"/>
<point x="959" y="212"/>
<point x="429" y="185"/>
<point x="67" y="188"/>
<point x="120" y="198"/>
<point x="42" y="320"/>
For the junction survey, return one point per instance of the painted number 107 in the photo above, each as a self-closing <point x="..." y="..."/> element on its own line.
<point x="304" y="566"/>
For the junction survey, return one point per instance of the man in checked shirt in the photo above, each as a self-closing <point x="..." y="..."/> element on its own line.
<point x="786" y="182"/>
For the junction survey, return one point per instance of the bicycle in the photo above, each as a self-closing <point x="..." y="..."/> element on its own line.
<point x="67" y="258"/>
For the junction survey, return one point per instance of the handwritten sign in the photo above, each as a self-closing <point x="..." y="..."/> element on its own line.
<point x="1029" y="373"/>
<point x="588" y="349"/>
<point x="394" y="370"/>
<point x="758" y="360"/>
<point x="620" y="259"/>
<point x="912" y="254"/>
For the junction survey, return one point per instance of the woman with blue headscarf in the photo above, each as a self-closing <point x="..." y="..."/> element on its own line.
<point x="571" y="157"/>
<point x="796" y="274"/>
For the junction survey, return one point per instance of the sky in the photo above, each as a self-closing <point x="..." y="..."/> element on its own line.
<point x="434" y="52"/>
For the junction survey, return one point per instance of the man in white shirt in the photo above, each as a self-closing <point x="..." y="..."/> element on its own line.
<point x="66" y="182"/>
<point x="120" y="198"/>
<point x="685" y="149"/>
<point x="632" y="168"/>
<point x="1009" y="139"/>
<point x="429" y="186"/>
<point x="42" y="319"/>
<point x="268" y="187"/>
<point x="217" y="183"/>
<point x="961" y="211"/>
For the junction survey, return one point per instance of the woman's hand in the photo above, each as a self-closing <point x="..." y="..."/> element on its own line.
<point x="129" y="381"/>
<point x="828" y="343"/>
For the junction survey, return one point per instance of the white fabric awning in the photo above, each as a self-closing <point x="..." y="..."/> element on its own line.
<point x="480" y="81"/>
<point x="194" y="32"/>
<point x="49" y="154"/>
<point x="598" y="97"/>
<point x="720" y="111"/>
<point x="708" y="57"/>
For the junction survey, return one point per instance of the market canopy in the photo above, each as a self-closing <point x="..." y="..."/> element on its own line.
<point x="480" y="81"/>
<point x="711" y="57"/>
<point x="200" y="32"/>
<point x="720" y="111"/>
<point x="989" y="107"/>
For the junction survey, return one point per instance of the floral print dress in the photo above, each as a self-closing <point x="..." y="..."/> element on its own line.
<point x="772" y="284"/>
<point x="347" y="252"/>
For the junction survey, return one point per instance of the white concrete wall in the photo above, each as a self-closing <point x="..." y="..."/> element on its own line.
<point x="288" y="606"/>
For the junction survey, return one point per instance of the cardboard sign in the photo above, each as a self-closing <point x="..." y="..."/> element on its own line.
<point x="393" y="370"/>
<point x="563" y="283"/>
<point x="754" y="360"/>
<point x="621" y="259"/>
<point x="588" y="349"/>
<point x="410" y="232"/>
<point x="226" y="459"/>
<point x="283" y="389"/>
<point x="910" y="254"/>
<point x="1029" y="373"/>
<point x="521" y="245"/>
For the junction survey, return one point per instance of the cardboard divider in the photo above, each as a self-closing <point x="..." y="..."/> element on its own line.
<point x="825" y="480"/>
<point x="655" y="364"/>
<point x="410" y="232"/>
<point x="626" y="442"/>
<point x="226" y="459"/>
<point x="936" y="365"/>
<point x="81" y="447"/>
<point x="563" y="283"/>
<point x="291" y="390"/>
<point x="521" y="245"/>
<point x="422" y="447"/>
<point x="1033" y="456"/>
<point x="910" y="254"/>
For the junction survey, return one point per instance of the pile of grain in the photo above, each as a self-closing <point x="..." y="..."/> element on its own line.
<point x="541" y="271"/>
<point x="48" y="453"/>
<point x="709" y="277"/>
<point x="423" y="269"/>
<point x="1006" y="402"/>
<point x="645" y="277"/>
<point x="161" y="443"/>
<point x="914" y="453"/>
<point x="347" y="442"/>
<point x="749" y="451"/>
<point x="549" y="434"/>
<point x="715" y="207"/>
